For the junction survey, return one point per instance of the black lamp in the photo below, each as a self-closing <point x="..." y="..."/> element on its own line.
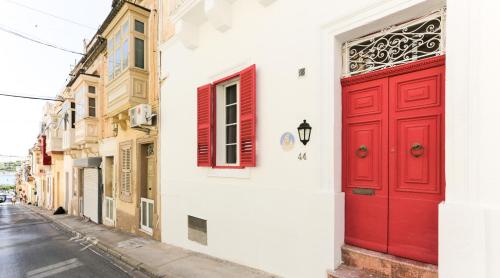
<point x="304" y="132"/>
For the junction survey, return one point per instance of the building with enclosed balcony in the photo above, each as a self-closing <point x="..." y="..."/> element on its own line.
<point x="84" y="94"/>
<point x="131" y="86"/>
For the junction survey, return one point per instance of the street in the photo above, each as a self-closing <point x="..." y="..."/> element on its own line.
<point x="34" y="247"/>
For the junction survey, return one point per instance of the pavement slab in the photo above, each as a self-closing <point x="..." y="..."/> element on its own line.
<point x="154" y="258"/>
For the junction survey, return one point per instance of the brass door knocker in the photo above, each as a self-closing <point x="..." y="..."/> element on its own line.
<point x="417" y="150"/>
<point x="362" y="151"/>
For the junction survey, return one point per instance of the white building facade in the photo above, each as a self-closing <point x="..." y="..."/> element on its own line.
<point x="281" y="206"/>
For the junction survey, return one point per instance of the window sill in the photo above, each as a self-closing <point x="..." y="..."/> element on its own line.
<point x="237" y="172"/>
<point x="228" y="167"/>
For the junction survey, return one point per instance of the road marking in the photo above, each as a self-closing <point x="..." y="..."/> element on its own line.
<point x="52" y="269"/>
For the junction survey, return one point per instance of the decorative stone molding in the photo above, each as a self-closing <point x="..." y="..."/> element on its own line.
<point x="266" y="3"/>
<point x="218" y="13"/>
<point x="188" y="15"/>
<point x="188" y="33"/>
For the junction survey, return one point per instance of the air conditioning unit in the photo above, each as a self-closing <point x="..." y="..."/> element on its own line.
<point x="140" y="115"/>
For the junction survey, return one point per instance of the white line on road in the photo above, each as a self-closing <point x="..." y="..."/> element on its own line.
<point x="52" y="269"/>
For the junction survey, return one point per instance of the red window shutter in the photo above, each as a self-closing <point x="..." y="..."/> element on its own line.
<point x="204" y="151"/>
<point x="247" y="117"/>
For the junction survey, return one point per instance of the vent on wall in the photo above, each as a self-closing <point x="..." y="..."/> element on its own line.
<point x="197" y="229"/>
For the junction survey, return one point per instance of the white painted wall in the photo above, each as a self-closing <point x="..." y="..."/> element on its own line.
<point x="470" y="217"/>
<point x="285" y="216"/>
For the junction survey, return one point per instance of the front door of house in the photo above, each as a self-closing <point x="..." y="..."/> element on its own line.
<point x="393" y="160"/>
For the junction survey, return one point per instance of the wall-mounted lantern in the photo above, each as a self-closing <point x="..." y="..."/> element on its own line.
<point x="304" y="132"/>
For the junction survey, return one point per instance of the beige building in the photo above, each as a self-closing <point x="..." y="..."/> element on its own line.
<point x="130" y="82"/>
<point x="96" y="154"/>
<point x="104" y="167"/>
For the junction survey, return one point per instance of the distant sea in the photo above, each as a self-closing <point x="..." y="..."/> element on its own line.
<point x="7" y="178"/>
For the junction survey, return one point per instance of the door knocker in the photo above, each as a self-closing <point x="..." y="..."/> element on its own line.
<point x="362" y="151"/>
<point x="417" y="150"/>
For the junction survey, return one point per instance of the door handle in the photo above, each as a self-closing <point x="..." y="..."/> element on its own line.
<point x="362" y="151"/>
<point x="417" y="150"/>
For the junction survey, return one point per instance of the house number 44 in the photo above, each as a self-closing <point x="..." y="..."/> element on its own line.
<point x="302" y="156"/>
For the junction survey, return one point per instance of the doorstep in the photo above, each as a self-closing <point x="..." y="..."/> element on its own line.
<point x="154" y="258"/>
<point x="363" y="263"/>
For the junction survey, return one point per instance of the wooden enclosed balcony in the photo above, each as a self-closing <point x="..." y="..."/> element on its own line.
<point x="127" y="91"/>
<point x="68" y="139"/>
<point x="54" y="144"/>
<point x="128" y="42"/>
<point x="86" y="131"/>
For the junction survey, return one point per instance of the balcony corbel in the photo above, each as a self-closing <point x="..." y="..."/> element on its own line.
<point x="219" y="13"/>
<point x="122" y="119"/>
<point x="188" y="33"/>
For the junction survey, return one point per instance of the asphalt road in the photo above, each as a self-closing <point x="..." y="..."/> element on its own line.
<point x="33" y="247"/>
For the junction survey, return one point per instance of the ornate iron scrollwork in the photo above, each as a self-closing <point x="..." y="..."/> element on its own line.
<point x="411" y="41"/>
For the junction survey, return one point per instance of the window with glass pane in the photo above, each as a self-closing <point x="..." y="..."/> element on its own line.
<point x="91" y="107"/>
<point x="80" y="104"/>
<point x="231" y="122"/>
<point x="125" y="54"/>
<point x="125" y="29"/>
<point x="150" y="215"/>
<point x="92" y="89"/>
<point x="139" y="53"/>
<point x="110" y="58"/>
<point x="110" y="64"/>
<point x="144" y="213"/>
<point x="118" y="61"/>
<point x="139" y="26"/>
<point x="73" y="119"/>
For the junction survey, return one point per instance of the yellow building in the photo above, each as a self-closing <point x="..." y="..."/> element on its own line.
<point x="105" y="168"/>
<point x="131" y="86"/>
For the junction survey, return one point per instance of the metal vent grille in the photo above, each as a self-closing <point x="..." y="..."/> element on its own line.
<point x="197" y="229"/>
<point x="414" y="40"/>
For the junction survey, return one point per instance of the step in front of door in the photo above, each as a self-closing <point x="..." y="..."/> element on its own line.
<point x="345" y="271"/>
<point x="362" y="263"/>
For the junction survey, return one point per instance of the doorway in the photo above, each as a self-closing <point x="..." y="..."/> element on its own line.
<point x="109" y="190"/>
<point x="147" y="163"/>
<point x="393" y="159"/>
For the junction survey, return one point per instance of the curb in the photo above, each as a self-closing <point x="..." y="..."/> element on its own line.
<point x="131" y="262"/>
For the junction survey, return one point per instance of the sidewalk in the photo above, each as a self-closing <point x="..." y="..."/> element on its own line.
<point x="152" y="257"/>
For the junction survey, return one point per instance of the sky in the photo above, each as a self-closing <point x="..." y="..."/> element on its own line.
<point x="28" y="68"/>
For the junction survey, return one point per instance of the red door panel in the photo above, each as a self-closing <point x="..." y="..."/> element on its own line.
<point x="416" y="163"/>
<point x="365" y="164"/>
<point x="393" y="162"/>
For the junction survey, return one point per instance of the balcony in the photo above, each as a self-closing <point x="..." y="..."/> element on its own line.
<point x="68" y="139"/>
<point x="128" y="64"/>
<point x="54" y="141"/>
<point x="129" y="89"/>
<point x="46" y="159"/>
<point x="86" y="131"/>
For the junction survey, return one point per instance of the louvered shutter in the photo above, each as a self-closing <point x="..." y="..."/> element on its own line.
<point x="126" y="174"/>
<point x="247" y="117"/>
<point x="204" y="148"/>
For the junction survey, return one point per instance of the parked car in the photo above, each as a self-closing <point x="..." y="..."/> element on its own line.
<point x="3" y="198"/>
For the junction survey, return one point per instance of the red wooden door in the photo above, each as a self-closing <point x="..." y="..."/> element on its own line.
<point x="365" y="137"/>
<point x="393" y="161"/>
<point x="416" y="163"/>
